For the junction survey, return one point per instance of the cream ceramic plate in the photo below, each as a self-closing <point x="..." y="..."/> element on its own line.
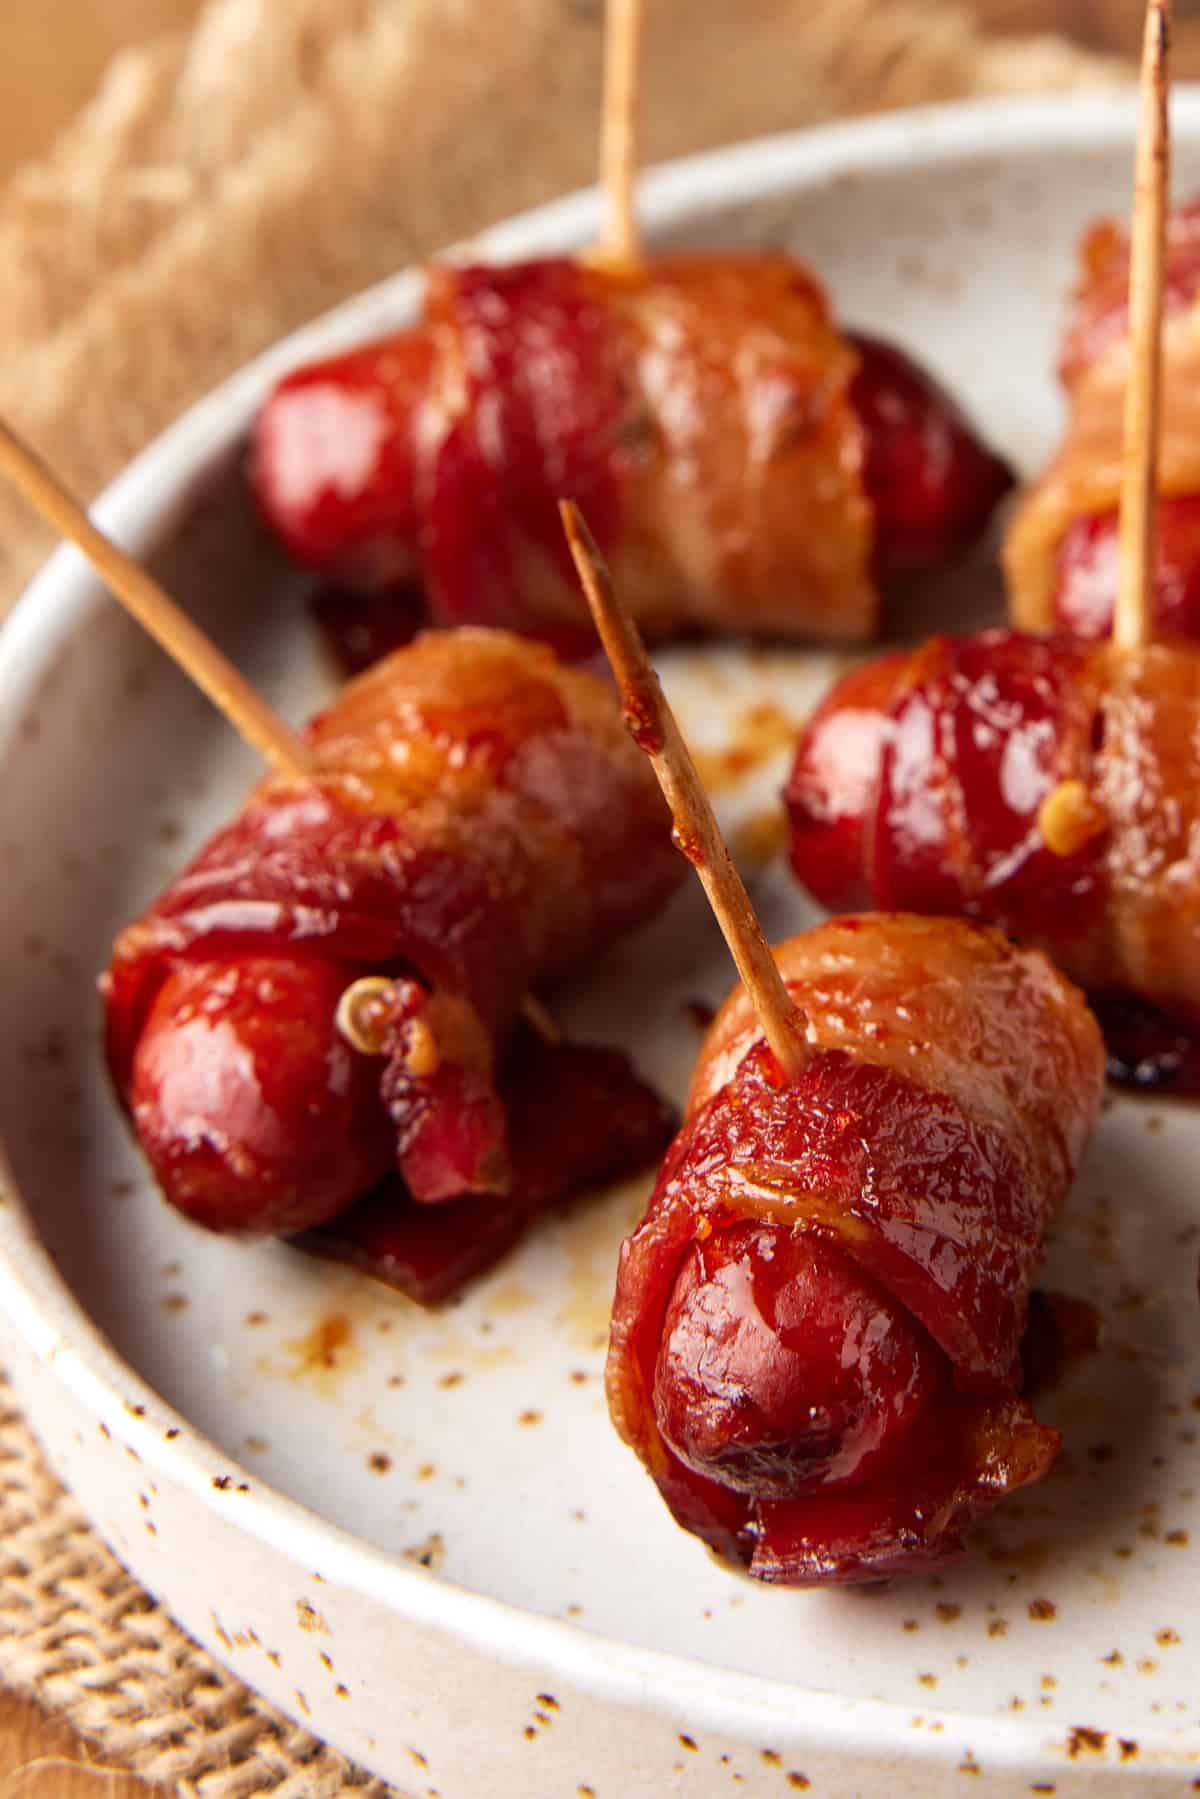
<point x="417" y="1533"/>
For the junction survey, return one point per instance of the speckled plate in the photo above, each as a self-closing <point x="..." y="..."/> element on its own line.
<point x="418" y="1533"/>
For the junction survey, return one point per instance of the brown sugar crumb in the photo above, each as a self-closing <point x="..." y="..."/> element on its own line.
<point x="1042" y="1611"/>
<point x="529" y="1732"/>
<point x="1127" y="1747"/>
<point x="1165" y="1638"/>
<point x="772" y="1758"/>
<point x="1146" y="1665"/>
<point x="549" y="1701"/>
<point x="426" y="1471"/>
<point x="948" y="1613"/>
<point x="378" y="1462"/>
<point x="429" y="1554"/>
<point x="1178" y="1539"/>
<point x="323" y="1346"/>
<point x="998" y="1627"/>
<point x="454" y="1379"/>
<point x="530" y="1416"/>
<point x="910" y="1624"/>
<point x="800" y="1782"/>
<point x="689" y="1742"/>
<point x="1113" y="1660"/>
<point x="254" y="1319"/>
<point x="1085" y="1741"/>
<point x="927" y="1680"/>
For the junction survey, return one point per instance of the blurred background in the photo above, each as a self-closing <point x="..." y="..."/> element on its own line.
<point x="51" y="56"/>
<point x="52" y="51"/>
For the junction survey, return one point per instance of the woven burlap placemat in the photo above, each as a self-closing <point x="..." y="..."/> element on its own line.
<point x="222" y="188"/>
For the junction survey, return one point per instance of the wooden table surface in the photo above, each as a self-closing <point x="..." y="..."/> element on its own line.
<point x="51" y="52"/>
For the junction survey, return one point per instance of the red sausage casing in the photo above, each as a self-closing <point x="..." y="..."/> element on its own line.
<point x="745" y="467"/>
<point x="914" y="1165"/>
<point x="958" y="748"/>
<point x="478" y="822"/>
<point x="1060" y="554"/>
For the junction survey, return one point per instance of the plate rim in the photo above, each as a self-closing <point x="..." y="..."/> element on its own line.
<point x="138" y="508"/>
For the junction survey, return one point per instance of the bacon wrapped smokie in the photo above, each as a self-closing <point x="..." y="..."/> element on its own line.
<point x="330" y="992"/>
<point x="816" y="1332"/>
<point x="745" y="466"/>
<point x="1061" y="552"/>
<point x="1046" y="785"/>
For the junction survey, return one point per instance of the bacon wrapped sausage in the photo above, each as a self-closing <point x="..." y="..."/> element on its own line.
<point x="1046" y="785"/>
<point x="816" y="1327"/>
<point x="329" y="991"/>
<point x="1061" y="552"/>
<point x="745" y="467"/>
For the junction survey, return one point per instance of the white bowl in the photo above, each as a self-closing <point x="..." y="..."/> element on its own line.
<point x="285" y="1512"/>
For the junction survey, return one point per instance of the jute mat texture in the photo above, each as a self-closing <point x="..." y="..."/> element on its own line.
<point x="223" y="187"/>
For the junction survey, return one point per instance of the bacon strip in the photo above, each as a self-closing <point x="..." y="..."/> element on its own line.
<point x="919" y="1160"/>
<point x="577" y="1116"/>
<point x="745" y="467"/>
<point x="957" y="750"/>
<point x="1060" y="551"/>
<point x="478" y="824"/>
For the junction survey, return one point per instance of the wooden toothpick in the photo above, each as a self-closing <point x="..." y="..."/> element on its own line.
<point x="619" y="132"/>
<point x="1133" y="619"/>
<point x="697" y="832"/>
<point x="155" y="611"/>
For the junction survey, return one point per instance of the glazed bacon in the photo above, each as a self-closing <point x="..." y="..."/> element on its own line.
<point x="1061" y="552"/>
<point x="745" y="467"/>
<point x="816" y="1332"/>
<point x="477" y="824"/>
<point x="1045" y="785"/>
